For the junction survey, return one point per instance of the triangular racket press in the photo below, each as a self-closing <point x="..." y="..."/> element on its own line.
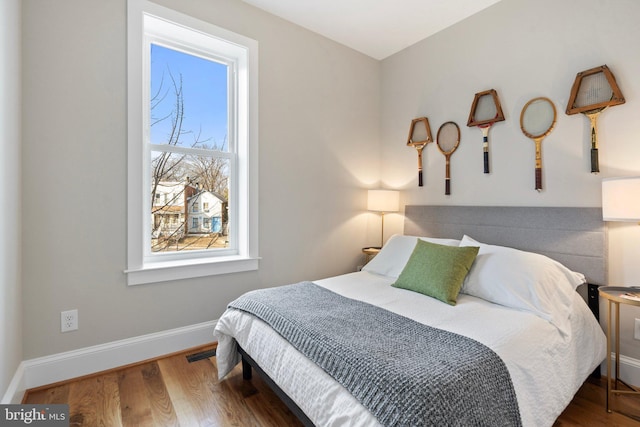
<point x="419" y="137"/>
<point x="485" y="111"/>
<point x="594" y="90"/>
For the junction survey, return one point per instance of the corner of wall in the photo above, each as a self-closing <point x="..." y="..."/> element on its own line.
<point x="10" y="148"/>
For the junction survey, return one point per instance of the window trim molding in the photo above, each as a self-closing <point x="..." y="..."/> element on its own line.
<point x="140" y="269"/>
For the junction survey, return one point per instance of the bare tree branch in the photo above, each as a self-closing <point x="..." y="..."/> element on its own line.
<point x="206" y="173"/>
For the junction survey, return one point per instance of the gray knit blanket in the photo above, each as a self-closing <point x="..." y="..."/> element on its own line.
<point x="403" y="372"/>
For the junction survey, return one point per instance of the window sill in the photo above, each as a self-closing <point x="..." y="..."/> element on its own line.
<point x="176" y="270"/>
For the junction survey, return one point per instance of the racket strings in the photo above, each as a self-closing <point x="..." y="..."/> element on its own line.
<point x="485" y="108"/>
<point x="594" y="89"/>
<point x="538" y="118"/>
<point x="448" y="138"/>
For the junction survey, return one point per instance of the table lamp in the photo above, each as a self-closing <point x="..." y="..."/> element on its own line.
<point x="621" y="199"/>
<point x="383" y="201"/>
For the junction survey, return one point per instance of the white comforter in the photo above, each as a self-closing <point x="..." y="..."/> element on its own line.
<point x="546" y="368"/>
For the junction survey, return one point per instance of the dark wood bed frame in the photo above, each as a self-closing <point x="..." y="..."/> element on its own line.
<point x="248" y="364"/>
<point x="574" y="236"/>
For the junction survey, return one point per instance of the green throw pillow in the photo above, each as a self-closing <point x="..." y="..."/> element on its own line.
<point x="437" y="270"/>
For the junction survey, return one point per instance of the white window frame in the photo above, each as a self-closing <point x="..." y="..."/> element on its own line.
<point x="144" y="18"/>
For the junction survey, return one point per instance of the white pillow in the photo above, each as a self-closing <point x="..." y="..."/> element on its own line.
<point x="396" y="252"/>
<point x="524" y="281"/>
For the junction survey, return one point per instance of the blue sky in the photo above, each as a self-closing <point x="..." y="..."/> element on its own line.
<point x="204" y="86"/>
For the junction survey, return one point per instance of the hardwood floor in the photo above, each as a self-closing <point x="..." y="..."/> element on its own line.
<point x="171" y="391"/>
<point x="588" y="408"/>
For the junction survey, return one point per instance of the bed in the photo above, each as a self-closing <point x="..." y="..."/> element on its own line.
<point x="520" y="328"/>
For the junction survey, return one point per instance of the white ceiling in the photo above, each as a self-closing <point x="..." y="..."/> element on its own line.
<point x="377" y="28"/>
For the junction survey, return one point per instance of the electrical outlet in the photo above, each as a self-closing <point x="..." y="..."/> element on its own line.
<point x="636" y="330"/>
<point x="68" y="320"/>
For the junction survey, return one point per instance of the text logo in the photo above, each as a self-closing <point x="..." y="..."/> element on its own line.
<point x="34" y="415"/>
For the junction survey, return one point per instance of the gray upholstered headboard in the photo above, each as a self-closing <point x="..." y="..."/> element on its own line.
<point x="576" y="237"/>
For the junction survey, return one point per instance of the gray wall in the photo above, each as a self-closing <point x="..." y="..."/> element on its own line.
<point x="328" y="116"/>
<point x="318" y="138"/>
<point x="523" y="49"/>
<point x="10" y="299"/>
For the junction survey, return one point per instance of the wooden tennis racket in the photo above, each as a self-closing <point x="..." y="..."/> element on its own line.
<point x="485" y="111"/>
<point x="419" y="137"/>
<point x="537" y="119"/>
<point x="448" y="139"/>
<point x="594" y="90"/>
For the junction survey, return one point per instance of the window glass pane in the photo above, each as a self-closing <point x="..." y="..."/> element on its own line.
<point x="181" y="186"/>
<point x="188" y="100"/>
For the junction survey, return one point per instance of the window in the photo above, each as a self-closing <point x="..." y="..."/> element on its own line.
<point x="192" y="134"/>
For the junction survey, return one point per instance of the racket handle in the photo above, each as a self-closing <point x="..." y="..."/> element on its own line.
<point x="419" y="178"/>
<point x="595" y="167"/>
<point x="538" y="179"/>
<point x="486" y="162"/>
<point x="447" y="187"/>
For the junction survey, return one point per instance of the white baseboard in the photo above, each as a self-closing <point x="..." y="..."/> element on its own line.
<point x="629" y="369"/>
<point x="16" y="388"/>
<point x="76" y="363"/>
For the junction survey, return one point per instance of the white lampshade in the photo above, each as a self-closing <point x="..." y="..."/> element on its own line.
<point x="621" y="199"/>
<point x="383" y="200"/>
